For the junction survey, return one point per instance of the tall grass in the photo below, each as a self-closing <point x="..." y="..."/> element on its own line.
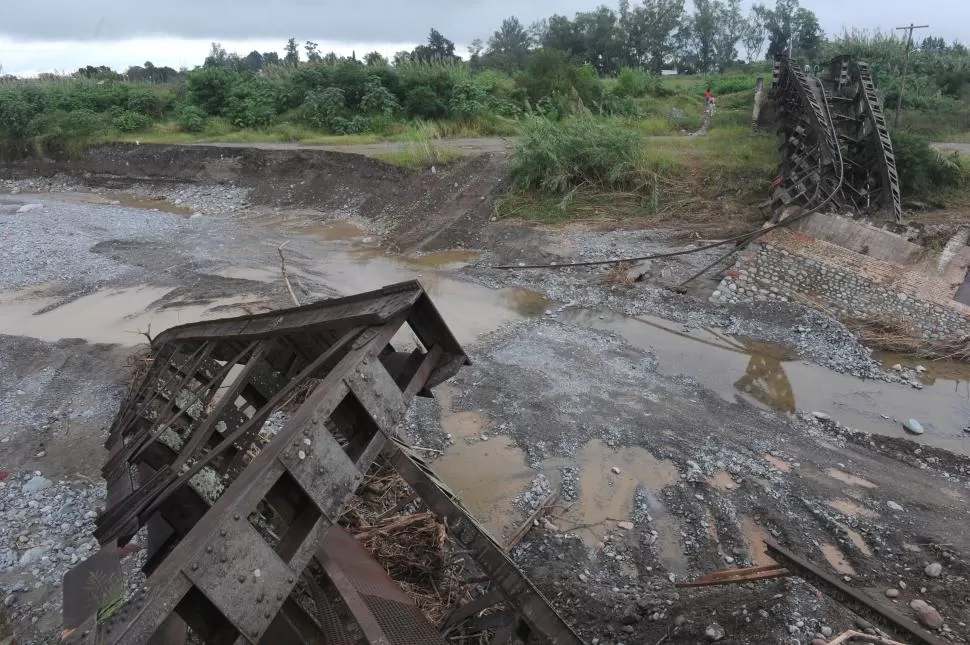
<point x="557" y="157"/>
<point x="419" y="156"/>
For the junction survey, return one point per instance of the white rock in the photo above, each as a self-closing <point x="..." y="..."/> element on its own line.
<point x="36" y="484"/>
<point x="626" y="526"/>
<point x="894" y="506"/>
<point x="31" y="556"/>
<point x="933" y="570"/>
<point x="616" y="471"/>
<point x="821" y="416"/>
<point x="26" y="208"/>
<point x="714" y="632"/>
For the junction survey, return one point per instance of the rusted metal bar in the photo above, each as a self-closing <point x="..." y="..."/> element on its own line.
<point x="527" y="525"/>
<point x="855" y="600"/>
<point x="737" y="576"/>
<point x="521" y="595"/>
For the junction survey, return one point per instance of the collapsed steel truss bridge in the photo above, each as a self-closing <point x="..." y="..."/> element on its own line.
<point x="243" y="541"/>
<point x="834" y="142"/>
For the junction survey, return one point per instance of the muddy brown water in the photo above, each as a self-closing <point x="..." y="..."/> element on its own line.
<point x="772" y="377"/>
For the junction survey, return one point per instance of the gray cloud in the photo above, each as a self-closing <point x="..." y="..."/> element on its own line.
<point x="352" y="21"/>
<point x="384" y="21"/>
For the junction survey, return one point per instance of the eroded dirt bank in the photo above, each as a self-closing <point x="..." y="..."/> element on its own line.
<point x="692" y="421"/>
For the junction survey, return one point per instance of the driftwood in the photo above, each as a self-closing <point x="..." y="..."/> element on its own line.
<point x="526" y="526"/>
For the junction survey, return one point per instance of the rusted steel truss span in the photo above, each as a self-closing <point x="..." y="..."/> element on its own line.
<point x="835" y="147"/>
<point x="240" y="500"/>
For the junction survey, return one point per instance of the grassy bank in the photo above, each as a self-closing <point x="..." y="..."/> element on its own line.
<point x="589" y="169"/>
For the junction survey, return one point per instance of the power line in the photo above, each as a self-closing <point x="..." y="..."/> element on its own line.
<point x="902" y="82"/>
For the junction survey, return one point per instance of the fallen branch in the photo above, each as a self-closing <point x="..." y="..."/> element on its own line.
<point x="866" y="638"/>
<point x="526" y="526"/>
<point x="286" y="277"/>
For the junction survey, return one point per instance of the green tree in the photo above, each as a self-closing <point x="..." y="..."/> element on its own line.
<point x="561" y="33"/>
<point x="601" y="36"/>
<point x="292" y="57"/>
<point x="755" y="33"/>
<point x="253" y="61"/>
<point x="508" y="48"/>
<point x="312" y="52"/>
<point x="375" y="59"/>
<point x="730" y="29"/>
<point x="218" y="56"/>
<point x="792" y="28"/>
<point x="438" y="49"/>
<point x="650" y="33"/>
<point x="698" y="35"/>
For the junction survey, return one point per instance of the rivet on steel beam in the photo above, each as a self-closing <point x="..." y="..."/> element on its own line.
<point x="236" y="516"/>
<point x="242" y="577"/>
<point x="254" y="632"/>
<point x="195" y="567"/>
<point x="222" y="532"/>
<point x="222" y="559"/>
<point x="279" y="596"/>
<point x="267" y="615"/>
<point x="208" y="549"/>
<point x="289" y="580"/>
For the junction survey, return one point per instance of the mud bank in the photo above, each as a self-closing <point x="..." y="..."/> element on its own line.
<point x="420" y="211"/>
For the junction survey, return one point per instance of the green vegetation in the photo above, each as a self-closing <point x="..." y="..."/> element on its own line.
<point x="594" y="168"/>
<point x="419" y="156"/>
<point x="600" y="125"/>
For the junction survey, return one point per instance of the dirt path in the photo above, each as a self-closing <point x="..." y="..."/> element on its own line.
<point x="962" y="148"/>
<point x="704" y="412"/>
<point x="467" y="146"/>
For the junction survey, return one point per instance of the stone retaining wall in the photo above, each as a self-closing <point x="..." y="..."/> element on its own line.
<point x="793" y="267"/>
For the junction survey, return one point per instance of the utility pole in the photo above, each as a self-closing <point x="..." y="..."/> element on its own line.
<point x="902" y="82"/>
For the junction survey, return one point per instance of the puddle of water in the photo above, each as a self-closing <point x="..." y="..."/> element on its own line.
<point x="837" y="559"/>
<point x="332" y="230"/>
<point x="755" y="537"/>
<point x="111" y="316"/>
<point x="124" y="200"/>
<point x="486" y="475"/>
<point x="606" y="496"/>
<point x="850" y="509"/>
<point x="769" y="376"/>
<point x="722" y="481"/>
<point x="857" y="540"/>
<point x="444" y="259"/>
<point x="777" y="462"/>
<point x="950" y="374"/>
<point x="846" y="478"/>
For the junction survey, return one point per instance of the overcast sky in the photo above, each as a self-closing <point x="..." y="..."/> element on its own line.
<point x="48" y="35"/>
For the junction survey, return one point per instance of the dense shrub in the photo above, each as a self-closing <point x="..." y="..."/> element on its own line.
<point x="210" y="88"/>
<point x="556" y="157"/>
<point x="145" y="102"/>
<point x="15" y="113"/>
<point x="925" y="173"/>
<point x="422" y="102"/>
<point x="552" y="79"/>
<point x="377" y="99"/>
<point x="129" y="121"/>
<point x="630" y="83"/>
<point x="468" y="100"/>
<point x="251" y="104"/>
<point x="191" y="119"/>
